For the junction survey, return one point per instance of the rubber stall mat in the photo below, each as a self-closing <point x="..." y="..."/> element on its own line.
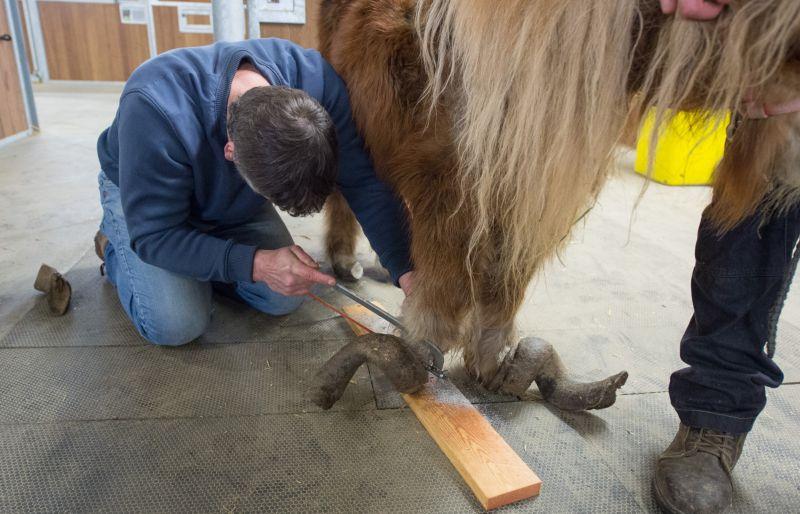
<point x="53" y="384"/>
<point x="380" y="461"/>
<point x="630" y="435"/>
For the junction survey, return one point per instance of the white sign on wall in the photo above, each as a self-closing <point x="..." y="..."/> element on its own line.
<point x="195" y="18"/>
<point x="133" y="13"/>
<point x="281" y="11"/>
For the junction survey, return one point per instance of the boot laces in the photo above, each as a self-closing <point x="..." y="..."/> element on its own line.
<point x="719" y="444"/>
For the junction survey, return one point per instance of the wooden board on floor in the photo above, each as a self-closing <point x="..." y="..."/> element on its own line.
<point x="491" y="468"/>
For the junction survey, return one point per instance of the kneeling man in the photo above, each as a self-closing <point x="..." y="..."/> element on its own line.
<point x="205" y="143"/>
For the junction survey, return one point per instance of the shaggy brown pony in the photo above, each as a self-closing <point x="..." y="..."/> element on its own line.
<point x="496" y="124"/>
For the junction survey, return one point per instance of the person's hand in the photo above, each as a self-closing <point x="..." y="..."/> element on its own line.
<point x="406" y="282"/>
<point x="289" y="271"/>
<point x="701" y="10"/>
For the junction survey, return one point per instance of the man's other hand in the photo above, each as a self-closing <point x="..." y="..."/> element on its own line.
<point x="702" y="10"/>
<point x="406" y="282"/>
<point x="289" y="271"/>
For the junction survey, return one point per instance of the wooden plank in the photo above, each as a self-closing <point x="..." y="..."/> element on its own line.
<point x="491" y="468"/>
<point x="364" y="316"/>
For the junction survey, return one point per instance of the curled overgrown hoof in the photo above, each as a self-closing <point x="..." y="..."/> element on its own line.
<point x="535" y="360"/>
<point x="402" y="363"/>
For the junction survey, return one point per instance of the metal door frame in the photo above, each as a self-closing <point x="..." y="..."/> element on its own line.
<point x="36" y="40"/>
<point x="21" y="60"/>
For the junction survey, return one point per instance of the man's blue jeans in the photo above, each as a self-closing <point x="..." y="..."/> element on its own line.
<point x="735" y="283"/>
<point x="171" y="309"/>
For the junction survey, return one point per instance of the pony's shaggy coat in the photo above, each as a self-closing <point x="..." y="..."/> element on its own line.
<point x="496" y="124"/>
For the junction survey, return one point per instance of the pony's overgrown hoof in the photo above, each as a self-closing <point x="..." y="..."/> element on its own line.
<point x="347" y="269"/>
<point x="535" y="360"/>
<point x="402" y="363"/>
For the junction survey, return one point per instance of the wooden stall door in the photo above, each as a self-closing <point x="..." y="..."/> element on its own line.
<point x="87" y="41"/>
<point x="12" y="104"/>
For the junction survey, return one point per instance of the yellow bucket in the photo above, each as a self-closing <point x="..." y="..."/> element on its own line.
<point x="687" y="151"/>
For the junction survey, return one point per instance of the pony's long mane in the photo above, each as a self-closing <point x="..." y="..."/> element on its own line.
<point x="540" y="96"/>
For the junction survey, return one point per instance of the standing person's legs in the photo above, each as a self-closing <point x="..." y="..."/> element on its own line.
<point x="267" y="232"/>
<point x="166" y="308"/>
<point x="736" y="282"/>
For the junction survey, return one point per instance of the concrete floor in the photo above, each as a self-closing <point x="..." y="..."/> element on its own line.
<point x="94" y="419"/>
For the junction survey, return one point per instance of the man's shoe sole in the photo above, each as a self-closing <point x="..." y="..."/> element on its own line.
<point x="100" y="243"/>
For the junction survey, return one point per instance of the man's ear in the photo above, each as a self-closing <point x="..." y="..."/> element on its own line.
<point x="229" y="151"/>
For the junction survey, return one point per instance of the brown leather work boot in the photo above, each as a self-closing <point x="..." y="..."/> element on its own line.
<point x="693" y="475"/>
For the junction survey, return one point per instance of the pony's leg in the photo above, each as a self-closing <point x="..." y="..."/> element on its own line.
<point x="440" y="301"/>
<point x="493" y="331"/>
<point x="484" y="351"/>
<point x="340" y="238"/>
<point x="428" y="316"/>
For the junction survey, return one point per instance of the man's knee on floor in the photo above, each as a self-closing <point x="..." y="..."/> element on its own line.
<point x="262" y="298"/>
<point x="176" y="330"/>
<point x="279" y="305"/>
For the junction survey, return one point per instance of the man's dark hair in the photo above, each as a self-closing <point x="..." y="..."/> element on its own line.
<point x="284" y="147"/>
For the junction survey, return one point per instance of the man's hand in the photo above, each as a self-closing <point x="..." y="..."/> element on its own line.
<point x="406" y="281"/>
<point x="289" y="271"/>
<point x="701" y="10"/>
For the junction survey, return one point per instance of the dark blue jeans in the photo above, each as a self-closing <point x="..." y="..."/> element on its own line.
<point x="735" y="283"/>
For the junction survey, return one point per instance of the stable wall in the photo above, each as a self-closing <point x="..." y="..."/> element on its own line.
<point x="87" y="41"/>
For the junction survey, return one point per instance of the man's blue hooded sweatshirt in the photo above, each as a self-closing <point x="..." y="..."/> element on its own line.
<point x="165" y="152"/>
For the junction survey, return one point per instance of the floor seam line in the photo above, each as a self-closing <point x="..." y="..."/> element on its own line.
<point x="178" y="418"/>
<point x="149" y="345"/>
